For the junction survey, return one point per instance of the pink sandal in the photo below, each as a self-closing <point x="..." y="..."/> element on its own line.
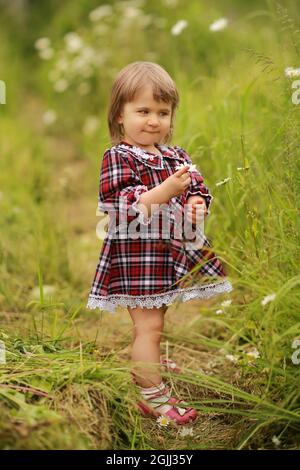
<point x="176" y="414"/>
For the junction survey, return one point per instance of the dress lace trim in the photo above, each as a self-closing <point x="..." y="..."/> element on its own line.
<point x="142" y="219"/>
<point x="110" y="302"/>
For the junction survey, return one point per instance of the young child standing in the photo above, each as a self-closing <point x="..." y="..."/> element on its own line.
<point x="147" y="184"/>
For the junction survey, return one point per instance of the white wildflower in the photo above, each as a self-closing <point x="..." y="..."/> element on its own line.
<point x="226" y="303"/>
<point x="253" y="353"/>
<point x="292" y="72"/>
<point x="231" y="358"/>
<point x="73" y="42"/>
<point x="219" y="24"/>
<point x="163" y="421"/>
<point x="223" y="182"/>
<point x="132" y="12"/>
<point x="46" y="54"/>
<point x="61" y="85"/>
<point x="185" y="431"/>
<point x="268" y="299"/>
<point x="100" y="12"/>
<point x="171" y="3"/>
<point x="179" y="27"/>
<point x="218" y="312"/>
<point x="42" y="43"/>
<point x="2" y="353"/>
<point x="49" y="117"/>
<point x="182" y="165"/>
<point x="276" y="441"/>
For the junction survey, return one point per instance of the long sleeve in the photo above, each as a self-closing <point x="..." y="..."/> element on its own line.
<point x="120" y="188"/>
<point x="197" y="186"/>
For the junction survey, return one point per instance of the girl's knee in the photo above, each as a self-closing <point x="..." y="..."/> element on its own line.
<point x="147" y="322"/>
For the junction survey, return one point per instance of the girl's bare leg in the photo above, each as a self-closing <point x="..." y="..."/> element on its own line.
<point x="148" y="328"/>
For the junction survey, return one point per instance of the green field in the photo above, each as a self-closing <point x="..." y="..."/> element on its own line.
<point x="65" y="383"/>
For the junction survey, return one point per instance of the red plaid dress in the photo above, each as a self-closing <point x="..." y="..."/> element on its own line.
<point x="153" y="266"/>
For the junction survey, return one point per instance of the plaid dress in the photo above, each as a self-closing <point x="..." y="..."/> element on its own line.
<point x="151" y="261"/>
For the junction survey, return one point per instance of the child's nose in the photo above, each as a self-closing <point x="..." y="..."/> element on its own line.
<point x="154" y="121"/>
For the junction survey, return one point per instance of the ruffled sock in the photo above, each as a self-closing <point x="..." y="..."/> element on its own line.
<point x="156" y="397"/>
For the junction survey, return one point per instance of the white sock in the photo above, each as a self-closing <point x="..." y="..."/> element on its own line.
<point x="155" y="395"/>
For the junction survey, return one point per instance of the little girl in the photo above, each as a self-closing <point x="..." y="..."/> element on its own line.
<point x="144" y="182"/>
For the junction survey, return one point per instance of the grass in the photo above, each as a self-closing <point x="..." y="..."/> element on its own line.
<point x="66" y="381"/>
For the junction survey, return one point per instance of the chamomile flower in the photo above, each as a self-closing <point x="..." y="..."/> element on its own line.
<point x="226" y="303"/>
<point x="163" y="421"/>
<point x="185" y="431"/>
<point x="49" y="117"/>
<point x="292" y="72"/>
<point x="219" y="24"/>
<point x="231" y="358"/>
<point x="268" y="299"/>
<point x="276" y="441"/>
<point x="182" y="165"/>
<point x="223" y="182"/>
<point x="253" y="353"/>
<point x="42" y="43"/>
<point x="179" y="27"/>
<point x="100" y="12"/>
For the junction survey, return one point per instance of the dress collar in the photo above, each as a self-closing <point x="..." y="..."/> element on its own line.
<point x="163" y="151"/>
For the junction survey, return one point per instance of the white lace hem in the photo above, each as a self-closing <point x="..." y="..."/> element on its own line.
<point x="110" y="303"/>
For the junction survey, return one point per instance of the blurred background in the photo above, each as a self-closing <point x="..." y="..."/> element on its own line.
<point x="236" y="65"/>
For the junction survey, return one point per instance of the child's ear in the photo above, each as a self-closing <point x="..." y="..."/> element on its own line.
<point x="120" y="118"/>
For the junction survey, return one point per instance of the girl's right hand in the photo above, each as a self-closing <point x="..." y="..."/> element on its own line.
<point x="177" y="184"/>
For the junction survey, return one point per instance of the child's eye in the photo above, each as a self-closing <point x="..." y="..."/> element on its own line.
<point x="144" y="111"/>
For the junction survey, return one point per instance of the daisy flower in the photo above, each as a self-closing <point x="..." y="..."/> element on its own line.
<point x="226" y="303"/>
<point x="268" y="299"/>
<point x="253" y="353"/>
<point x="163" y="421"/>
<point x="181" y="165"/>
<point x="42" y="43"/>
<point x="292" y="72"/>
<point x="276" y="441"/>
<point x="186" y="431"/>
<point x="219" y="24"/>
<point x="231" y="358"/>
<point x="223" y="182"/>
<point x="178" y="27"/>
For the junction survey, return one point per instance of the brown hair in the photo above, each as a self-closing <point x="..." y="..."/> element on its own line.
<point x="129" y="81"/>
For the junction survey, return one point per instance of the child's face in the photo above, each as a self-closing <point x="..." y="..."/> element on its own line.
<point x="145" y="120"/>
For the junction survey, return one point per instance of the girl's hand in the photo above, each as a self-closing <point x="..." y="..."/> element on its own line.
<point x="177" y="184"/>
<point x="196" y="210"/>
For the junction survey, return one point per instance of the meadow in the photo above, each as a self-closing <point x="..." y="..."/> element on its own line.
<point x="65" y="370"/>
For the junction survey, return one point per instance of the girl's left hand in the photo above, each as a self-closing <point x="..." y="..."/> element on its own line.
<point x="197" y="210"/>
